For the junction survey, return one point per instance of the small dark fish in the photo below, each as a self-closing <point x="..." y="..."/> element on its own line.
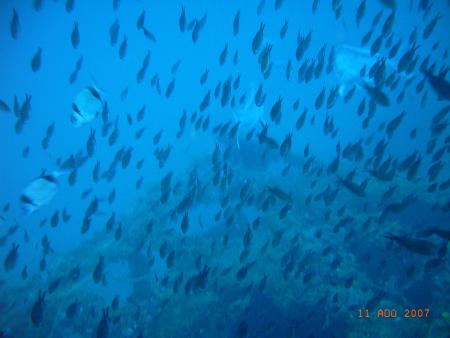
<point x="114" y="33"/>
<point x="115" y="4"/>
<point x="185" y="223"/>
<point x="36" y="60"/>
<point x="97" y="275"/>
<point x="69" y="5"/>
<point x="204" y="77"/>
<point x="75" y="36"/>
<point x="123" y="48"/>
<point x="377" y="95"/>
<point x="140" y="114"/>
<point x="170" y="259"/>
<point x="182" y="20"/>
<point x="110" y="222"/>
<point x="112" y="196"/>
<point x="73" y="309"/>
<point x="258" y="38"/>
<point x="429" y="28"/>
<point x="236" y="23"/>
<point x="14" y="25"/>
<point x="260" y="7"/>
<point x="4" y="107"/>
<point x="37" y="311"/>
<point x="115" y="303"/>
<point x="54" y="285"/>
<point x="223" y="55"/>
<point x="285" y="146"/>
<point x="148" y="34"/>
<point x="158" y="135"/>
<point x="65" y="216"/>
<point x="55" y="219"/>
<point x="118" y="233"/>
<point x="124" y="94"/>
<point x="11" y="259"/>
<point x="74" y="274"/>
<point x="90" y="143"/>
<point x="439" y="85"/>
<point x="170" y="88"/>
<point x="284" y="29"/>
<point x="391" y="4"/>
<point x="103" y="325"/>
<point x="278" y="4"/>
<point x="141" y="20"/>
<point x="275" y="112"/>
<point x="388" y="24"/>
<point x="360" y="12"/>
<point x="24" y="273"/>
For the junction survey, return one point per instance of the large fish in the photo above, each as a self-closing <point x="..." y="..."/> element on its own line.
<point x="349" y="61"/>
<point x="86" y="106"/>
<point x="250" y="116"/>
<point x="39" y="192"/>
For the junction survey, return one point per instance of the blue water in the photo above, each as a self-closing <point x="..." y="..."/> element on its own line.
<point x="319" y="253"/>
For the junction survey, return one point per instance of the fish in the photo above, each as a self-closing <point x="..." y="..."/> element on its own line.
<point x="115" y="303"/>
<point x="54" y="285"/>
<point x="118" y="233"/>
<point x="4" y="107"/>
<point x="103" y="325"/>
<point x="11" y="258"/>
<point x="69" y="5"/>
<point x="37" y="311"/>
<point x="170" y="88"/>
<point x="24" y="273"/>
<point x="377" y="95"/>
<point x="75" y="35"/>
<point x="439" y="84"/>
<point x="280" y="194"/>
<point x="258" y="38"/>
<point x="182" y="20"/>
<point x="356" y="189"/>
<point x="72" y="309"/>
<point x="88" y="104"/>
<point x="390" y="4"/>
<point x="36" y="60"/>
<point x="148" y="34"/>
<point x="98" y="273"/>
<point x="250" y="116"/>
<point x="348" y="62"/>
<point x="90" y="143"/>
<point x="115" y="4"/>
<point x="236" y="21"/>
<point x="429" y="28"/>
<point x="39" y="192"/>
<point x="140" y="20"/>
<point x="223" y="55"/>
<point x="360" y="12"/>
<point x="114" y="33"/>
<point x="185" y="223"/>
<point x="14" y="26"/>
<point x="419" y="246"/>
<point x="123" y="48"/>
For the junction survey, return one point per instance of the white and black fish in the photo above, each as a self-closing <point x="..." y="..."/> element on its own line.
<point x="87" y="105"/>
<point x="39" y="192"/>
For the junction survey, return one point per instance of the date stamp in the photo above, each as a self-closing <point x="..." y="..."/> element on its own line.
<point x="394" y="313"/>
